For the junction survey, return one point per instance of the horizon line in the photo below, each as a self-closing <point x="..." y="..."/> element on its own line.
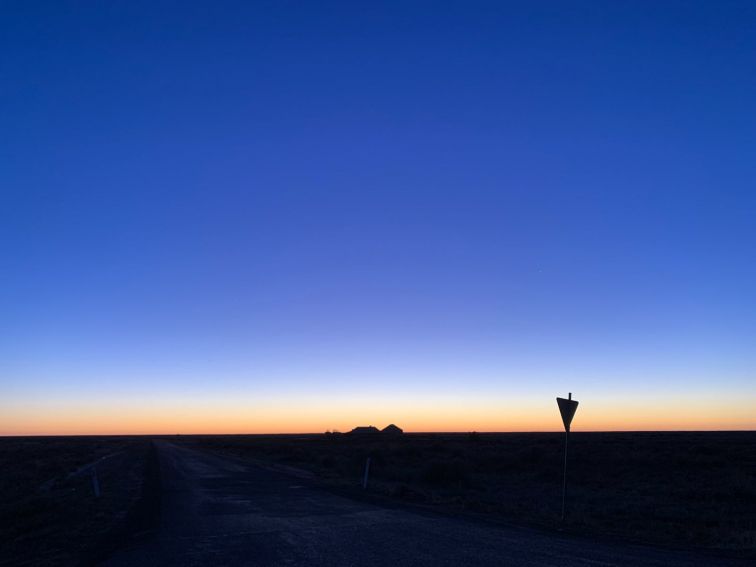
<point x="177" y="434"/>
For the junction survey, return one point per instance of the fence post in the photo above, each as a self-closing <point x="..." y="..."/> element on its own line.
<point x="367" y="471"/>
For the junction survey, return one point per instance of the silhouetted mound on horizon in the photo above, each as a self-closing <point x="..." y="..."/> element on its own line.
<point x="392" y="429"/>
<point x="368" y="430"/>
<point x="365" y="430"/>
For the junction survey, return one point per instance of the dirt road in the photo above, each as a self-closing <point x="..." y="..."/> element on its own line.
<point x="219" y="511"/>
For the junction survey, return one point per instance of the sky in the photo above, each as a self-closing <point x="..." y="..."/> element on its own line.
<point x="248" y="217"/>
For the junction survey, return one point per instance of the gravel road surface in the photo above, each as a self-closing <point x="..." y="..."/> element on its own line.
<point x="220" y="511"/>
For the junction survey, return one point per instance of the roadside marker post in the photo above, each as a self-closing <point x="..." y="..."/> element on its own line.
<point x="567" y="409"/>
<point x="367" y="471"/>
<point x="95" y="482"/>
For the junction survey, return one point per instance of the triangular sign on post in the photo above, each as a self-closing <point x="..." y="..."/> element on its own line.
<point x="567" y="408"/>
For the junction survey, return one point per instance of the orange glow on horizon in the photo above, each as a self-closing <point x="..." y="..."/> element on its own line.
<point x="310" y="417"/>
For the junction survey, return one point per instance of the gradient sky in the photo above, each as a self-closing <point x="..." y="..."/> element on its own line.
<point x="297" y="216"/>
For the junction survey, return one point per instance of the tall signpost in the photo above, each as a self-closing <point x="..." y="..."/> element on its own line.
<point x="567" y="408"/>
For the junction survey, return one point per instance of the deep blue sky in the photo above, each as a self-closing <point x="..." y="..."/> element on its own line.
<point x="282" y="201"/>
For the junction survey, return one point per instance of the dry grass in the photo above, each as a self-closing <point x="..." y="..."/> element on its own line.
<point x="49" y="519"/>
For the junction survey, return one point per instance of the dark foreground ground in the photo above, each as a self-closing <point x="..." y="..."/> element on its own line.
<point x="431" y="499"/>
<point x="217" y="510"/>
<point x="49" y="514"/>
<point x="679" y="489"/>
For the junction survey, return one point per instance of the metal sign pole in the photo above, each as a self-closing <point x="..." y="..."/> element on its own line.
<point x="567" y="408"/>
<point x="564" y="481"/>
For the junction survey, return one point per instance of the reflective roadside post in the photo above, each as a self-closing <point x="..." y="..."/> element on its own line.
<point x="367" y="472"/>
<point x="95" y="482"/>
<point x="567" y="408"/>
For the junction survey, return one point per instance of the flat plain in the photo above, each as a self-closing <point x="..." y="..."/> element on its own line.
<point x="685" y="491"/>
